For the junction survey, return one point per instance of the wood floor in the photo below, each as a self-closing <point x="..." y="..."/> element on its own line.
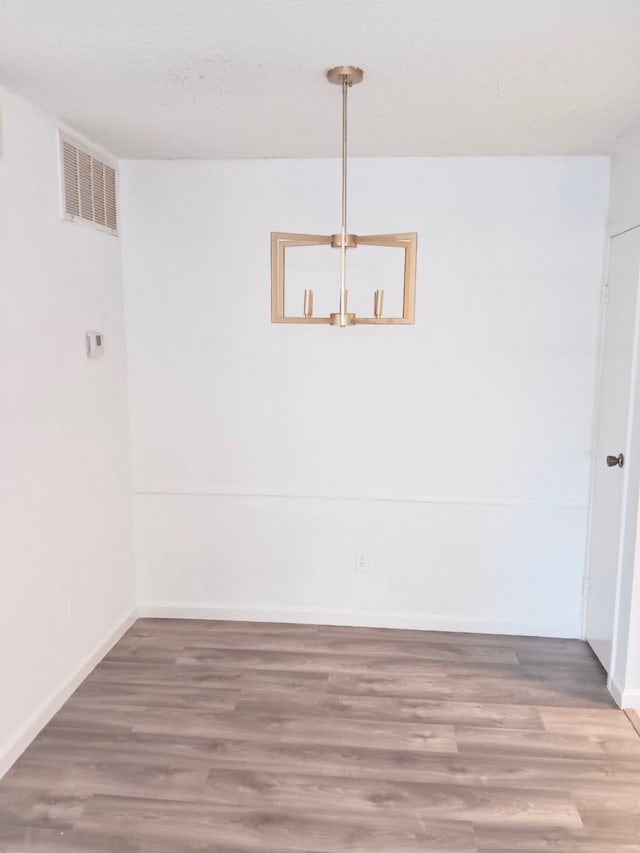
<point x="228" y="737"/>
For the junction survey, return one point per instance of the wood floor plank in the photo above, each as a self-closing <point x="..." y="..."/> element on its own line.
<point x="507" y="742"/>
<point x="30" y="807"/>
<point x="58" y="778"/>
<point x="587" y="721"/>
<point x="314" y="643"/>
<point x="482" y="688"/>
<point x="283" y="728"/>
<point x="306" y="661"/>
<point x="18" y="839"/>
<point x="504" y="806"/>
<point x="276" y="728"/>
<point x="135" y="696"/>
<point x="202" y="675"/>
<point x="324" y="832"/>
<point x="239" y="737"/>
<point x="618" y="804"/>
<point x="445" y="712"/>
<point x="504" y="840"/>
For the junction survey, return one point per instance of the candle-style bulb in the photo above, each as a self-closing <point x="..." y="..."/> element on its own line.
<point x="308" y="303"/>
<point x="378" y="299"/>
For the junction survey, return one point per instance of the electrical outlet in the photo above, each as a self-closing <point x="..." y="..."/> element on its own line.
<point x="95" y="344"/>
<point x="363" y="564"/>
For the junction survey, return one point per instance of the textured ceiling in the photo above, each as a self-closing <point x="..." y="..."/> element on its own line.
<point x="244" y="78"/>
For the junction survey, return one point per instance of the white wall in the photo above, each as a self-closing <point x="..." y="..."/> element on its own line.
<point x="65" y="543"/>
<point x="455" y="452"/>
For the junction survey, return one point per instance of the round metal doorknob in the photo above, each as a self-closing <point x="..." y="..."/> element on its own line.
<point x="618" y="460"/>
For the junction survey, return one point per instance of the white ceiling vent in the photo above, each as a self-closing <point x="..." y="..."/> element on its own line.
<point x="88" y="186"/>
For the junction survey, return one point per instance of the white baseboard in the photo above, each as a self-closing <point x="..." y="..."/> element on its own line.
<point x="39" y="719"/>
<point x="356" y="618"/>
<point x="615" y="691"/>
<point x="629" y="698"/>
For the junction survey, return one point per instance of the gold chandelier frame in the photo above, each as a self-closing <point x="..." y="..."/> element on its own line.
<point x="281" y="241"/>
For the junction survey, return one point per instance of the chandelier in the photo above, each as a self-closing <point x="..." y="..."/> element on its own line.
<point x="344" y="76"/>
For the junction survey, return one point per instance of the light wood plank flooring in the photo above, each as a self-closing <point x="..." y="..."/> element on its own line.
<point x="229" y="737"/>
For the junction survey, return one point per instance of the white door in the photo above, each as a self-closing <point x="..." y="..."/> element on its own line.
<point x="606" y="529"/>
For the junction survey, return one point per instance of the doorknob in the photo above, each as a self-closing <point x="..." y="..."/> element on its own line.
<point x="618" y="460"/>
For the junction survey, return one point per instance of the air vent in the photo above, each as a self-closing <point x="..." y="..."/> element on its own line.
<point x="88" y="187"/>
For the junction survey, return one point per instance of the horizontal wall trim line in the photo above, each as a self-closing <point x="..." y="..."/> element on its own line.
<point x="421" y="499"/>
<point x="39" y="719"/>
<point x="353" y="618"/>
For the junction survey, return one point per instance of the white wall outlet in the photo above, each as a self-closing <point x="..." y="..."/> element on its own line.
<point x="95" y="344"/>
<point x="363" y="563"/>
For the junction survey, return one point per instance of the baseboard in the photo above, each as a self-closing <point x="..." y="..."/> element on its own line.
<point x="356" y="618"/>
<point x="54" y="702"/>
<point x="629" y="698"/>
<point x="615" y="691"/>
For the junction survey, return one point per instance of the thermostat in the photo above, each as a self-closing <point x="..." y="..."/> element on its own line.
<point x="95" y="344"/>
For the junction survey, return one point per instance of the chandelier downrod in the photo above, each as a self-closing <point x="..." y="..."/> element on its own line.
<point x="343" y="244"/>
<point x="345" y="76"/>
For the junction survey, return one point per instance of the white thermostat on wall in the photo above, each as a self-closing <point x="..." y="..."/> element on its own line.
<point x="95" y="344"/>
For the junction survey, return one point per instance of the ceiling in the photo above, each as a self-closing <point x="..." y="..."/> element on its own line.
<point x="244" y="78"/>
